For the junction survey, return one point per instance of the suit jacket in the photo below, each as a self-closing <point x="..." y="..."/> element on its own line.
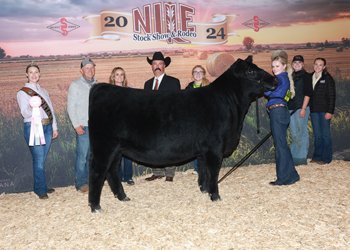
<point x="167" y="83"/>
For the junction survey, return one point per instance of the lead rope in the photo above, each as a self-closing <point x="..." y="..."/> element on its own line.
<point x="257" y="115"/>
<point x="252" y="151"/>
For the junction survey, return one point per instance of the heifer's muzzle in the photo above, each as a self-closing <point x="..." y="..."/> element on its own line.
<point x="274" y="83"/>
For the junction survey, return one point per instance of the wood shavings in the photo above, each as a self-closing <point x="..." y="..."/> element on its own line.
<point x="314" y="213"/>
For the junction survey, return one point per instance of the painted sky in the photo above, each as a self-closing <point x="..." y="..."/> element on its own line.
<point x="24" y="23"/>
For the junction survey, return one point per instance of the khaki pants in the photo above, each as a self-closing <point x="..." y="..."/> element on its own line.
<point x="167" y="171"/>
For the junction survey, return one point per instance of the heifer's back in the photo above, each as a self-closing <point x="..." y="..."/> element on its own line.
<point x="154" y="127"/>
<point x="164" y="128"/>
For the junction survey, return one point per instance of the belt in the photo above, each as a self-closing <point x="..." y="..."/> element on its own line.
<point x="45" y="121"/>
<point x="277" y="105"/>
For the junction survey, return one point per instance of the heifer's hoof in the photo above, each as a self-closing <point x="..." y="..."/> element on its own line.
<point x="215" y="197"/>
<point x="96" y="209"/>
<point x="126" y="199"/>
<point x="203" y="190"/>
<point x="122" y="199"/>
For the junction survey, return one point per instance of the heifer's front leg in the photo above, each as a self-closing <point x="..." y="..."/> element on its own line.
<point x="114" y="179"/>
<point x="213" y="164"/>
<point x="97" y="175"/>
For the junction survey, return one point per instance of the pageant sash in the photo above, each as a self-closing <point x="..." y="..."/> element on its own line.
<point x="44" y="104"/>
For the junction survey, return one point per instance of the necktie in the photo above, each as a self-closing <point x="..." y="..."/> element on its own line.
<point x="156" y="87"/>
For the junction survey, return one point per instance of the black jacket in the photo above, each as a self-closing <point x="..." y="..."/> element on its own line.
<point x="323" y="97"/>
<point x="190" y="85"/>
<point x="167" y="83"/>
<point x="303" y="87"/>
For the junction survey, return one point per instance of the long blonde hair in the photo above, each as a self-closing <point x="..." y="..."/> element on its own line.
<point x="289" y="70"/>
<point x="112" y="77"/>
<point x="205" y="81"/>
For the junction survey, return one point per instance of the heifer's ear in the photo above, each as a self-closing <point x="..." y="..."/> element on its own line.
<point x="249" y="59"/>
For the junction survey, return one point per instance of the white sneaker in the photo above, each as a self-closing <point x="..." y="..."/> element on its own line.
<point x="195" y="172"/>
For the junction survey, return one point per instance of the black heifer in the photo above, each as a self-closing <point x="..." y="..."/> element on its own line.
<point x="165" y="128"/>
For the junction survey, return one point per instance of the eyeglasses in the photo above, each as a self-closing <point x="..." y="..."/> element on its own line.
<point x="198" y="72"/>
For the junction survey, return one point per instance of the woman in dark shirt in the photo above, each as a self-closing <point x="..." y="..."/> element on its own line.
<point x="322" y="105"/>
<point x="299" y="120"/>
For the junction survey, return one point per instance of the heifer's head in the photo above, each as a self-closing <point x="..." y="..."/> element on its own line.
<point x="256" y="79"/>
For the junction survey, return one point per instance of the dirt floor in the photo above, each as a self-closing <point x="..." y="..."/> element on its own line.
<point x="314" y="213"/>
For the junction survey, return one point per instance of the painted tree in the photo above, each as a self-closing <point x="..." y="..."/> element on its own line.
<point x="345" y="41"/>
<point x="2" y="53"/>
<point x="248" y="42"/>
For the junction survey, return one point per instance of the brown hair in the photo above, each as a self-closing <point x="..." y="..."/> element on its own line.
<point x="32" y="64"/>
<point x="205" y="81"/>
<point x="112" y="80"/>
<point x="289" y="70"/>
<point x="322" y="59"/>
<point x="324" y="62"/>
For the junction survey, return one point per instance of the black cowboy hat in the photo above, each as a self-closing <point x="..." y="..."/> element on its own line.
<point x="159" y="56"/>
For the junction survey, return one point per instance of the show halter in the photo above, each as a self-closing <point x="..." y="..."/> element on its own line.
<point x="36" y="129"/>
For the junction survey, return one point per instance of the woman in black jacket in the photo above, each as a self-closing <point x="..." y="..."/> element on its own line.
<point x="322" y="105"/>
<point x="299" y="120"/>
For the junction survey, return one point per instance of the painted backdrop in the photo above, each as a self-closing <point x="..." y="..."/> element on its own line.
<point x="58" y="35"/>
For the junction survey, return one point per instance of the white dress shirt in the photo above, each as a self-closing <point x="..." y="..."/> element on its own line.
<point x="159" y="81"/>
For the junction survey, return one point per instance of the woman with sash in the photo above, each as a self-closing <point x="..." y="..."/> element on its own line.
<point x="49" y="127"/>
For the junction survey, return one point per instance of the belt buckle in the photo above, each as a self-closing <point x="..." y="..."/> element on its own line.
<point x="45" y="121"/>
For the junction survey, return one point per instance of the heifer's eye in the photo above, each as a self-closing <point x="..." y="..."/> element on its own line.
<point x="251" y="72"/>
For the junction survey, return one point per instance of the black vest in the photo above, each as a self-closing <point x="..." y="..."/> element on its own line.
<point x="299" y="90"/>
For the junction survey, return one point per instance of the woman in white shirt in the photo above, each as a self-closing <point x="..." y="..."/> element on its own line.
<point x="39" y="152"/>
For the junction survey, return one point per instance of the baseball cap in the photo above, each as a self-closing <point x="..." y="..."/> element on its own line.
<point x="298" y="58"/>
<point x="86" y="61"/>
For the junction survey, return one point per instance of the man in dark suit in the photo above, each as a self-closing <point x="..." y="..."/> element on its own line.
<point x="161" y="81"/>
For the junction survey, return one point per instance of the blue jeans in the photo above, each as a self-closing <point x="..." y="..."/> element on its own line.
<point x="82" y="157"/>
<point x="286" y="172"/>
<point x="300" y="136"/>
<point x="39" y="154"/>
<point x="323" y="141"/>
<point x="196" y="165"/>
<point x="125" y="169"/>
